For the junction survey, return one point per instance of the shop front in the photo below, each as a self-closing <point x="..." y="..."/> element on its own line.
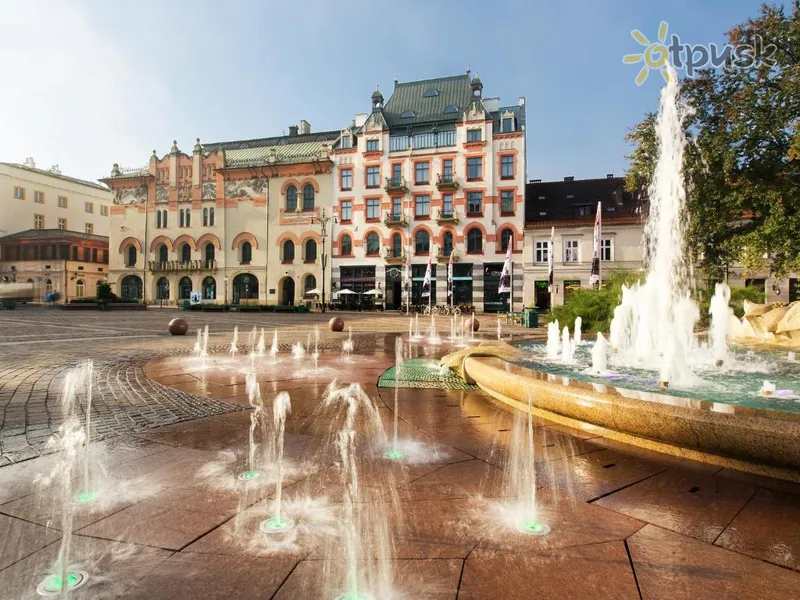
<point x="417" y="278"/>
<point x="462" y="284"/>
<point x="358" y="280"/>
<point x="493" y="301"/>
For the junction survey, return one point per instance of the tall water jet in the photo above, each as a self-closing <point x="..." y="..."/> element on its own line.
<point x="720" y="320"/>
<point x="553" y="342"/>
<point x="281" y="406"/>
<point x="410" y="328"/>
<point x="256" y="421"/>
<point x="315" y="354"/>
<point x="576" y="335"/>
<point x="566" y="346"/>
<point x="235" y="340"/>
<point x="499" y="330"/>
<point x="659" y="333"/>
<point x="261" y="346"/>
<point x="417" y="334"/>
<point x="86" y="494"/>
<point x="273" y="350"/>
<point x="251" y="343"/>
<point x="600" y="355"/>
<point x="395" y="453"/>
<point x="472" y="327"/>
<point x="433" y="335"/>
<point x="347" y="345"/>
<point x="198" y="345"/>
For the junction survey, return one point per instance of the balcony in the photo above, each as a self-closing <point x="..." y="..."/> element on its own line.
<point x="442" y="256"/>
<point x="391" y="258"/>
<point x="174" y="266"/>
<point x="395" y="185"/>
<point x="446" y="216"/>
<point x="393" y="219"/>
<point x="446" y="182"/>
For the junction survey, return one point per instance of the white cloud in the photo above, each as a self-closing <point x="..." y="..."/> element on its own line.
<point x="71" y="95"/>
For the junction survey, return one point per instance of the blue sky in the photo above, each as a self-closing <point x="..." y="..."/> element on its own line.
<point x="96" y="83"/>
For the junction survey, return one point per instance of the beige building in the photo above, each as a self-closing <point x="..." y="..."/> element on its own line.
<point x="237" y="222"/>
<point x="569" y="207"/>
<point x="32" y="198"/>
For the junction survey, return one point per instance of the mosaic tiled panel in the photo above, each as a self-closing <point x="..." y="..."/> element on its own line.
<point x="423" y="373"/>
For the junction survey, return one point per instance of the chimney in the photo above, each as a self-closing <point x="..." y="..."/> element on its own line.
<point x="569" y="178"/>
<point x="305" y="127"/>
<point x="29" y="163"/>
<point x="609" y="175"/>
<point x="536" y="181"/>
<point x="292" y="129"/>
<point x="55" y="170"/>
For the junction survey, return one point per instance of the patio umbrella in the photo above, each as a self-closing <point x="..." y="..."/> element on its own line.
<point x="346" y="292"/>
<point x="373" y="292"/>
<point x="314" y="292"/>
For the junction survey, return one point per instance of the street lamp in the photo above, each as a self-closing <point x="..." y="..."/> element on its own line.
<point x="226" y="293"/>
<point x="323" y="220"/>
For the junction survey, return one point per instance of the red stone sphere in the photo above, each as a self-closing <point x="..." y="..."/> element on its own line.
<point x="469" y="322"/>
<point x="336" y="324"/>
<point x="178" y="327"/>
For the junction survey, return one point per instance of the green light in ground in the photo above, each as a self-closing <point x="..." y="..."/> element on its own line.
<point x="84" y="497"/>
<point x="393" y="455"/>
<point x="249" y="475"/>
<point x="534" y="528"/>
<point x="52" y="584"/>
<point x="274" y="525"/>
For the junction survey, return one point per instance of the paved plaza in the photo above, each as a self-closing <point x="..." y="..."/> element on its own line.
<point x="177" y="524"/>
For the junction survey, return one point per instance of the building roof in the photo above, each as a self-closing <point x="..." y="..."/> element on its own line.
<point x="519" y="115"/>
<point x="556" y="203"/>
<point x="279" y="140"/>
<point x="52" y="234"/>
<point x="46" y="173"/>
<point x="453" y="91"/>
<point x="277" y="155"/>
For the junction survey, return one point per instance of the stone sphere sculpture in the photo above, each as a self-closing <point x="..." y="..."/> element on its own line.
<point x="471" y="323"/>
<point x="336" y="324"/>
<point x="178" y="327"/>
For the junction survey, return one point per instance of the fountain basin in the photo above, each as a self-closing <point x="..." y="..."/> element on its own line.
<point x="755" y="440"/>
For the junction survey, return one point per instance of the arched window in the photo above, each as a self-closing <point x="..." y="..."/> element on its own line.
<point x="247" y="253"/>
<point x="311" y="251"/>
<point x="475" y="240"/>
<point x="373" y="244"/>
<point x="505" y="238"/>
<point x="422" y="242"/>
<point x="163" y="218"/>
<point x="397" y="245"/>
<point x="48" y="286"/>
<point x="308" y="197"/>
<point x="211" y="217"/>
<point x="347" y="246"/>
<point x="209" y="288"/>
<point x="180" y="218"/>
<point x="288" y="251"/>
<point x="131" y="256"/>
<point x="210" y="252"/>
<point x="188" y="217"/>
<point x="186" y="253"/>
<point x="447" y="243"/>
<point x="158" y="219"/>
<point x="131" y="287"/>
<point x="163" y="253"/>
<point x="291" y="198"/>
<point x="310" y="284"/>
<point x="162" y="289"/>
<point x="80" y="288"/>
<point x="185" y="288"/>
<point x="245" y="287"/>
<point x="205" y="217"/>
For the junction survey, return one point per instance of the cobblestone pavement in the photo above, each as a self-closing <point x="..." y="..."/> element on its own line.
<point x="38" y="345"/>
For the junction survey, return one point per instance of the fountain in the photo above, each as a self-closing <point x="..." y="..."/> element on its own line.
<point x="417" y="334"/>
<point x="395" y="453"/>
<point x="251" y="343"/>
<point x="261" y="346"/>
<point x="298" y="351"/>
<point x="234" y="341"/>
<point x="567" y="349"/>
<point x="198" y="345"/>
<point x="347" y="345"/>
<point x="553" y="342"/>
<point x="577" y="339"/>
<point x="315" y="354"/>
<point x="790" y="356"/>
<point x="720" y="319"/>
<point x="273" y="350"/>
<point x="256" y="420"/>
<point x="433" y="335"/>
<point x="767" y="389"/>
<point x="599" y="355"/>
<point x="281" y="406"/>
<point x="499" y="330"/>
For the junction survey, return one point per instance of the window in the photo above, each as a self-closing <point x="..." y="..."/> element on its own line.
<point x="473" y="135"/>
<point x="247" y="252"/>
<point x="447" y="170"/>
<point x="506" y="236"/>
<point x="347" y="211"/>
<point x="450" y="108"/>
<point x="397" y="245"/>
<point x="429" y="93"/>
<point x="19" y="193"/>
<point x="571" y="249"/>
<point x="311" y="251"/>
<point x="104" y="210"/>
<point x="80" y="288"/>
<point x="397" y="176"/>
<point x="422" y="173"/>
<point x="89" y="207"/>
<point x="291" y="198"/>
<point x="62" y="202"/>
<point x="398" y="142"/>
<point x="372" y="145"/>
<point x="347" y="246"/>
<point x="373" y="209"/>
<point x="373" y="177"/>
<point x="38" y="197"/>
<point x="310" y="284"/>
<point x="131" y="257"/>
<point x="188" y="217"/>
<point x="585" y="210"/>
<point x="422" y="206"/>
<point x="446" y="138"/>
<point x="163" y="253"/>
<point x="62" y="224"/>
<point x="606" y="249"/>
<point x="407" y="114"/>
<point x="447" y="243"/>
<point x="474" y="168"/>
<point x="180" y="218"/>
<point x="542" y="252"/>
<point x="205" y="217"/>
<point x="507" y="166"/>
<point x="186" y="253"/>
<point x="162" y="289"/>
<point x="94" y="254"/>
<point x="422" y="242"/>
<point x="447" y="205"/>
<point x="288" y="251"/>
<point x="475" y="240"/>
<point x="211" y="217"/>
<point x="158" y="219"/>
<point x="308" y="197"/>
<point x="164" y="218"/>
<point x="397" y="208"/>
<point x="373" y="244"/>
<point x="38" y="221"/>
<point x="185" y="288"/>
<point x="48" y="286"/>
<point x="474" y="203"/>
<point x="508" y="124"/>
<point x="347" y="142"/>
<point x="210" y="253"/>
<point x="507" y="202"/>
<point x="347" y="179"/>
<point x="209" y="288"/>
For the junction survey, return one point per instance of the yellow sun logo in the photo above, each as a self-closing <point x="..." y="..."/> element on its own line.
<point x="655" y="55"/>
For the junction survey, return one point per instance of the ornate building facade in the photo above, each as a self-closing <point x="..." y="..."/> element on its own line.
<point x="436" y="170"/>
<point x="235" y="221"/>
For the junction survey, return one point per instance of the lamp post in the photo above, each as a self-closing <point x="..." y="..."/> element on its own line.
<point x="323" y="220"/>
<point x="224" y="306"/>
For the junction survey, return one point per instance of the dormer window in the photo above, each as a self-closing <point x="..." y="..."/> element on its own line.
<point x="372" y="146"/>
<point x="473" y="135"/>
<point x="407" y="114"/>
<point x="450" y="108"/>
<point x="347" y="141"/>
<point x="508" y="124"/>
<point x="584" y="210"/>
<point x="430" y="93"/>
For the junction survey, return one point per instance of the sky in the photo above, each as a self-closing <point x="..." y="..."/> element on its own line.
<point x="89" y="83"/>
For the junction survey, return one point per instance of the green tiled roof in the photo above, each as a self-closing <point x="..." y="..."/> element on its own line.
<point x="411" y="97"/>
<point x="284" y="154"/>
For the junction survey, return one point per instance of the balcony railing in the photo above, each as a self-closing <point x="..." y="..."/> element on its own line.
<point x="446" y="182"/>
<point x="394" y="219"/>
<point x="443" y="255"/>
<point x="176" y="265"/>
<point x="396" y="185"/>
<point x="392" y="258"/>
<point x="446" y="216"/>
